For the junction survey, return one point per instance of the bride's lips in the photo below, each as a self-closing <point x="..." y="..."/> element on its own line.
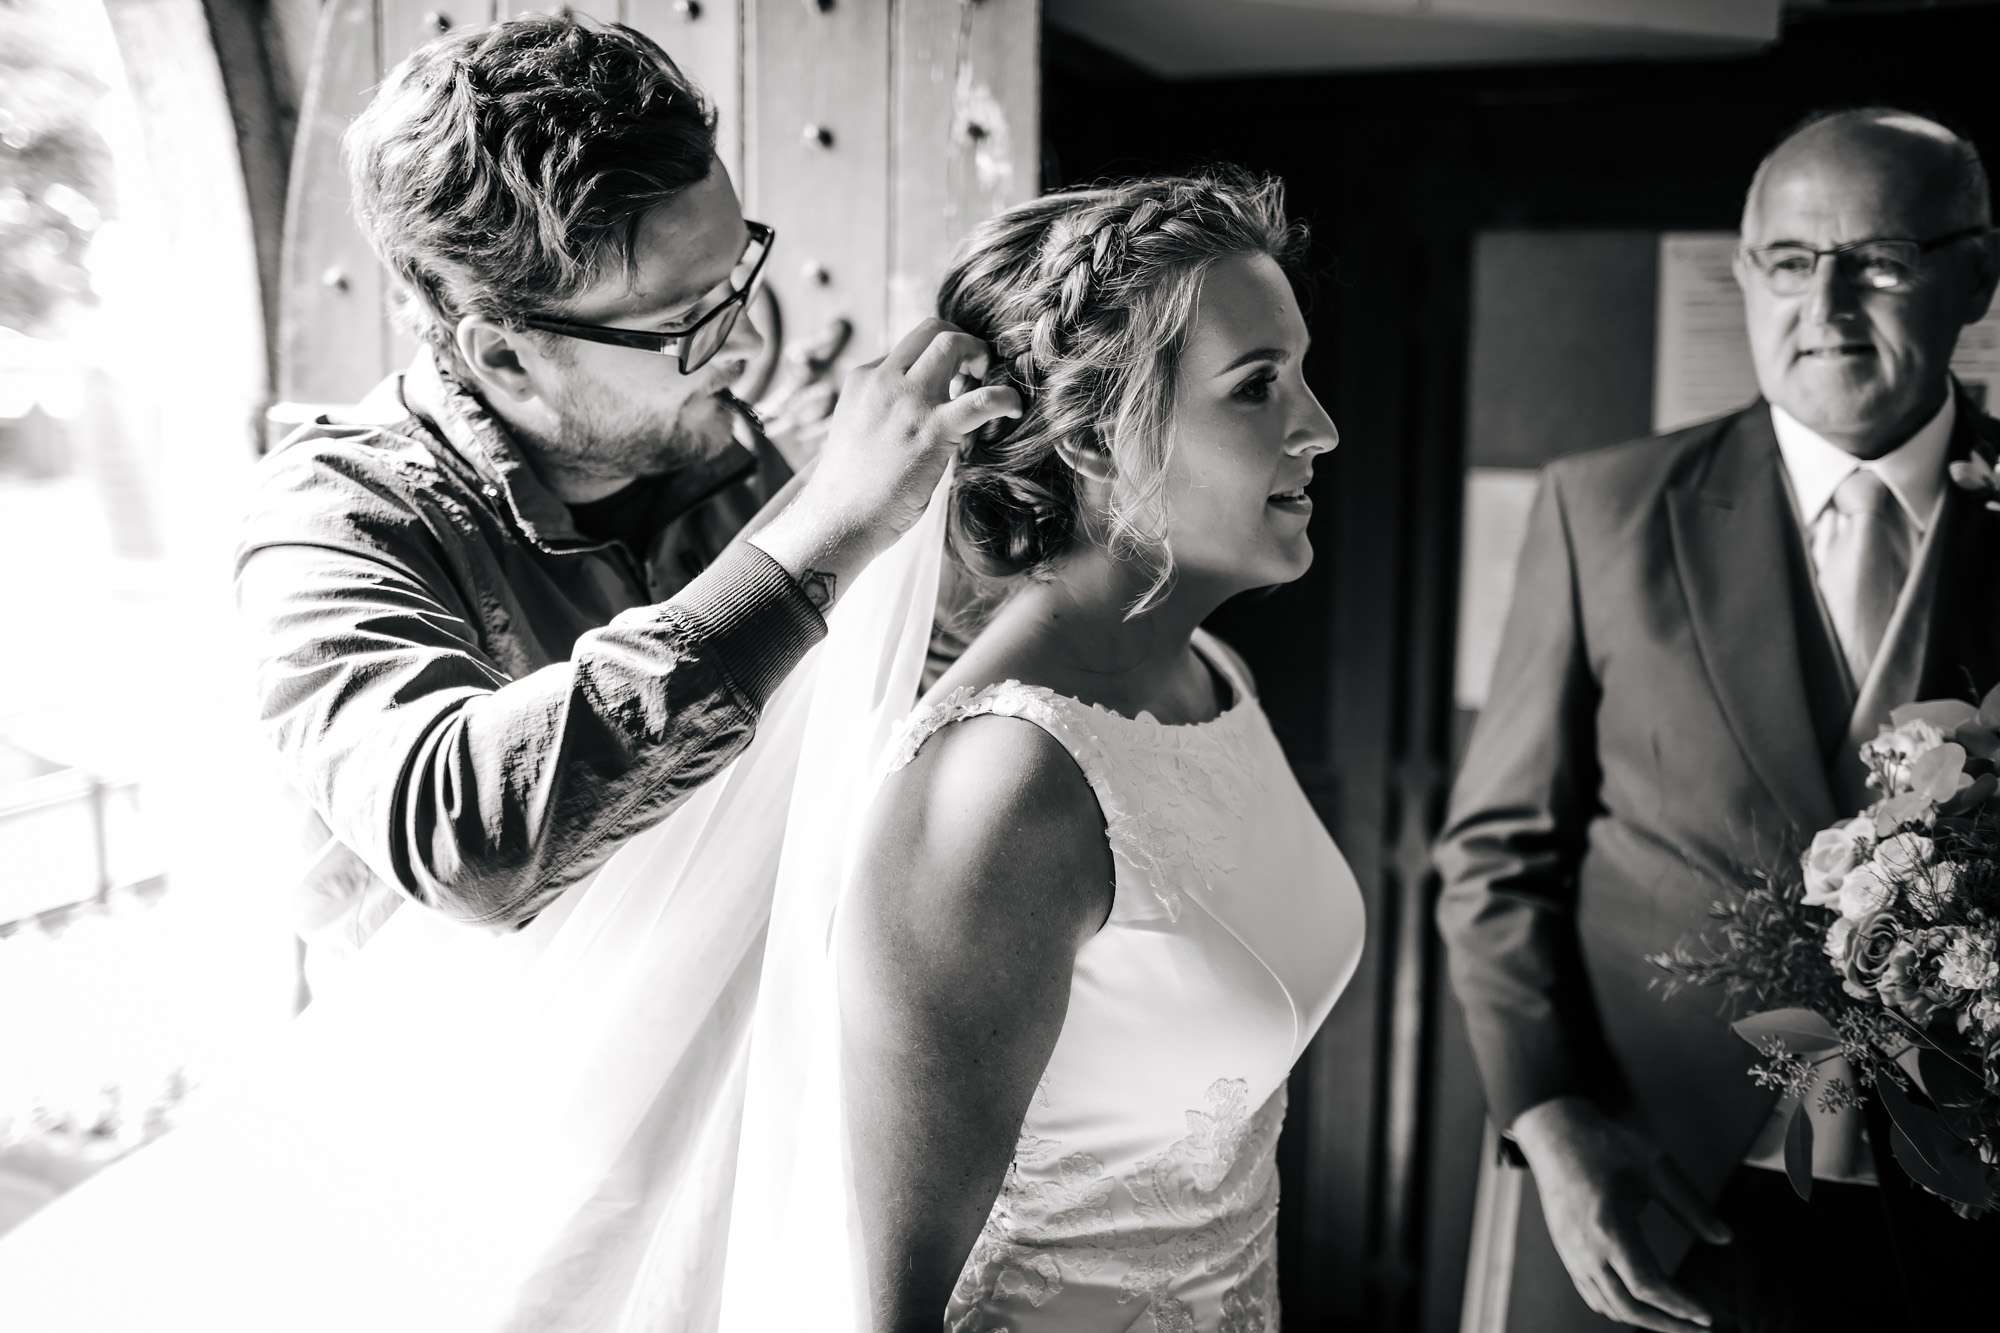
<point x="1293" y="500"/>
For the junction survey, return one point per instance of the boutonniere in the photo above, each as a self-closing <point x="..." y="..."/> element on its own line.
<point x="1977" y="475"/>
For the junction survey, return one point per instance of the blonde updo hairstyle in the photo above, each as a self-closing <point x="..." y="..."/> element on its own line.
<point x="1087" y="298"/>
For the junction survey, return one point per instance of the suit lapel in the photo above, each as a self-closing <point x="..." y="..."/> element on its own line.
<point x="1962" y="655"/>
<point x="1734" y="538"/>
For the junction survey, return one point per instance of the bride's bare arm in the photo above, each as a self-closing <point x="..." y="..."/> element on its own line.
<point x="984" y="870"/>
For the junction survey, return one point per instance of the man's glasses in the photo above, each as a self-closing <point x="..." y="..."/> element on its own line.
<point x="1888" y="265"/>
<point x="696" y="342"/>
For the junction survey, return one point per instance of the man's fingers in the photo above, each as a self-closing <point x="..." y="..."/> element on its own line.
<point x="1642" y="1279"/>
<point x="1682" y="1199"/>
<point x="1593" y="1296"/>
<point x="812" y="404"/>
<point x="950" y="353"/>
<point x="968" y="412"/>
<point x="912" y="344"/>
<point x="1630" y="1306"/>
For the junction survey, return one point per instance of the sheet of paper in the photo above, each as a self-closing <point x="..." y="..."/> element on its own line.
<point x="1497" y="500"/>
<point x="1701" y="357"/>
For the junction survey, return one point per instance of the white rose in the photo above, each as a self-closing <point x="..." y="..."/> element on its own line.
<point x="1866" y="888"/>
<point x="1838" y="936"/>
<point x="1904" y="854"/>
<point x="1832" y="854"/>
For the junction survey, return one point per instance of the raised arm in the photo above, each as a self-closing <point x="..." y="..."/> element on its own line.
<point x="985" y="869"/>
<point x="479" y="794"/>
<point x="484" y="796"/>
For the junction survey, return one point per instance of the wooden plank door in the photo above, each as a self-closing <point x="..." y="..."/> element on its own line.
<point x="873" y="134"/>
<point x="332" y="334"/>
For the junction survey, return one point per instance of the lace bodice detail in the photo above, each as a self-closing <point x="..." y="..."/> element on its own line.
<point x="1143" y="1193"/>
<point x="1166" y="831"/>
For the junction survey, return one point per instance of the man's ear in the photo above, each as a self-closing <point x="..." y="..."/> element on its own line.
<point x="1739" y="268"/>
<point x="1088" y="459"/>
<point x="493" y="354"/>
<point x="1986" y="276"/>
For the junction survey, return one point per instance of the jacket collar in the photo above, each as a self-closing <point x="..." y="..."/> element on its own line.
<point x="1733" y="539"/>
<point x="458" y="418"/>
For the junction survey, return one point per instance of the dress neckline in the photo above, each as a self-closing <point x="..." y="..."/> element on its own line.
<point x="1240" y="697"/>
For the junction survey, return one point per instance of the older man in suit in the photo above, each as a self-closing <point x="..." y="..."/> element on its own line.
<point x="1705" y="625"/>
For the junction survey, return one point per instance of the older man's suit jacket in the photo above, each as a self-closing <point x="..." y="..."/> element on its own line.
<point x="1668" y="708"/>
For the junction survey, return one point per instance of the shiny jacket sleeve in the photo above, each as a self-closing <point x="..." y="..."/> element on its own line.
<point x="479" y="794"/>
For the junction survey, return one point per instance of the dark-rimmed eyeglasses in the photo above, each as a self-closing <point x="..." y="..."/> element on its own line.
<point x="696" y="342"/>
<point x="1888" y="264"/>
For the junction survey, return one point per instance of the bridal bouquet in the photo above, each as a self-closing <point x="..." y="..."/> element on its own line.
<point x="1882" y="944"/>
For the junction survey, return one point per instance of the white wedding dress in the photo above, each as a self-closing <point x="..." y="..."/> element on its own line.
<point x="1143" y="1194"/>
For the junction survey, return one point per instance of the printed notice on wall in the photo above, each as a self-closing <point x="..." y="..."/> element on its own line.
<point x="1497" y="501"/>
<point x="1701" y="359"/>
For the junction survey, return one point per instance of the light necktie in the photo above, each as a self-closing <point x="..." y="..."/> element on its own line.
<point x="1862" y="555"/>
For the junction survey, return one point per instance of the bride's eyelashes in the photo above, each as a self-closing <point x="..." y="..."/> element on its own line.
<point x="1257" y="388"/>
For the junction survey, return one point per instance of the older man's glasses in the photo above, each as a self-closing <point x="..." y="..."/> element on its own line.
<point x="695" y="343"/>
<point x="1891" y="264"/>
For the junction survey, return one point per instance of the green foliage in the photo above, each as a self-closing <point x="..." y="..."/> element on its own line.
<point x="1761" y="949"/>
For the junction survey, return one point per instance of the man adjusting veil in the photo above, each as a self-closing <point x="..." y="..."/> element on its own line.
<point x="504" y="614"/>
<point x="519" y="619"/>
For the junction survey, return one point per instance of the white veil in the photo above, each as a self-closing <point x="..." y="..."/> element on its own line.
<point x="545" y="1131"/>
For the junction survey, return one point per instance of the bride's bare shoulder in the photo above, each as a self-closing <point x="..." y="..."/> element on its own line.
<point x="991" y="814"/>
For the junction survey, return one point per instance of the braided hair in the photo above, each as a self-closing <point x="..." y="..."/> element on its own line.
<point x="1087" y="297"/>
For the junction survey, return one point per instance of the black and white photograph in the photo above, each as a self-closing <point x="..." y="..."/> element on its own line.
<point x="999" y="666"/>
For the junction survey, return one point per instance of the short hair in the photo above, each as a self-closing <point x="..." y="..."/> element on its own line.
<point x="502" y="169"/>
<point x="1087" y="298"/>
<point x="1971" y="195"/>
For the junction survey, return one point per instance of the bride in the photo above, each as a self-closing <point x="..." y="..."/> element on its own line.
<point x="1095" y="920"/>
<point x="980" y="1014"/>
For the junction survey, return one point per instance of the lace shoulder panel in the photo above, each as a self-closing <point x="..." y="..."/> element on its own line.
<point x="1129" y="828"/>
<point x="1010" y="698"/>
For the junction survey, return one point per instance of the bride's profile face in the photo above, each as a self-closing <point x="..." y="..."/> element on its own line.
<point x="1246" y="431"/>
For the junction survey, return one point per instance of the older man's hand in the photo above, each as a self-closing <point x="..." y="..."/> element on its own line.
<point x="1594" y="1176"/>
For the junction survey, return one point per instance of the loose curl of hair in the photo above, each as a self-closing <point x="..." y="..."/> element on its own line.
<point x="502" y="169"/>
<point x="1087" y="298"/>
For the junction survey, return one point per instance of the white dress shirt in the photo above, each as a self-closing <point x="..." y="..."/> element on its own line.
<point x="1913" y="471"/>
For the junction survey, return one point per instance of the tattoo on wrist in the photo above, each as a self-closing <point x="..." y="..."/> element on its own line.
<point x="818" y="586"/>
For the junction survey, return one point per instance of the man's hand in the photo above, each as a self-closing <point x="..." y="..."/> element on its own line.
<point x="897" y="425"/>
<point x="1594" y="1176"/>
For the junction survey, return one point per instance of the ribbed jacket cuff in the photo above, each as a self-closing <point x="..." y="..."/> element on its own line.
<point x="753" y="617"/>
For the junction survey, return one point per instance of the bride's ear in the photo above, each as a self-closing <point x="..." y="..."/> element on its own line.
<point x="1090" y="460"/>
